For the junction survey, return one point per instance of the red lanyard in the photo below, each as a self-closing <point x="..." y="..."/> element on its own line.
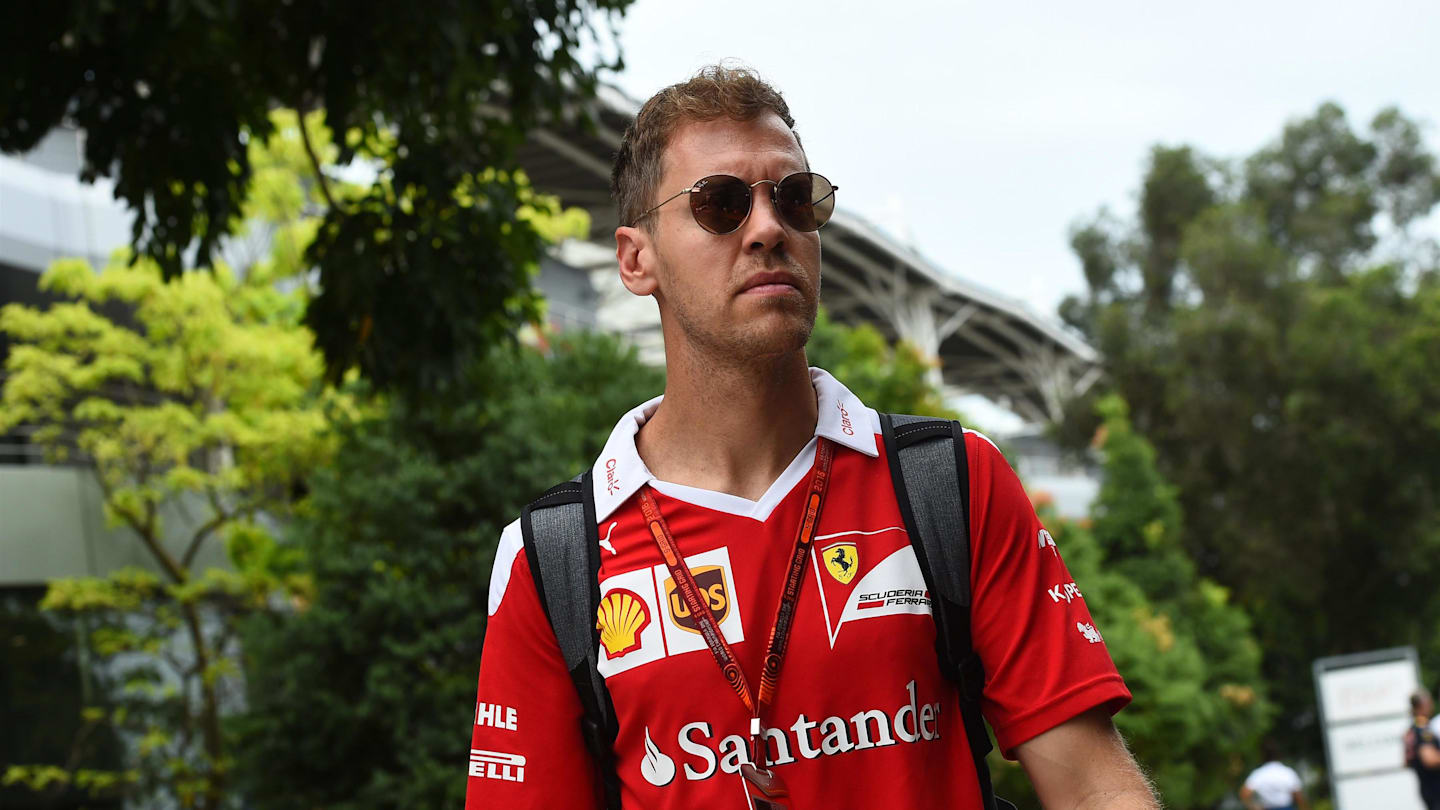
<point x="784" y="614"/>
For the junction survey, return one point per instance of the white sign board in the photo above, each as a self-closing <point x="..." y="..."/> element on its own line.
<point x="1366" y="747"/>
<point x="1365" y="704"/>
<point x="1368" y="690"/>
<point x="1396" y="790"/>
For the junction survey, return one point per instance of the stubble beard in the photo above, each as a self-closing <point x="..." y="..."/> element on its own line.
<point x="760" y="341"/>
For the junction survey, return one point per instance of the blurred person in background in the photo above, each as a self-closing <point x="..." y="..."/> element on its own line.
<point x="1435" y="720"/>
<point x="1274" y="785"/>
<point x="1422" y="748"/>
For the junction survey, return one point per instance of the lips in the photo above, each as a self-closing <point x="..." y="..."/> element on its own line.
<point x="771" y="283"/>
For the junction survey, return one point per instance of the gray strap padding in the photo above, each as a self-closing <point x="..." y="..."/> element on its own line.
<point x="562" y="546"/>
<point x="558" y="533"/>
<point x="933" y="487"/>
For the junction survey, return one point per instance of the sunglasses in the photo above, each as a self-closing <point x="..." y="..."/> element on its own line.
<point x="721" y="203"/>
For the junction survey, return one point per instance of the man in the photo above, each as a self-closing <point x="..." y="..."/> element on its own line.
<point x="700" y="496"/>
<point x="1274" y="785"/>
<point x="1422" y="749"/>
<point x="1435" y="721"/>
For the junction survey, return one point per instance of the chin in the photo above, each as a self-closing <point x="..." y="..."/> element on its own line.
<point x="783" y="336"/>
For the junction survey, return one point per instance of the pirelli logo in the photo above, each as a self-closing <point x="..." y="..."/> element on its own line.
<point x="497" y="765"/>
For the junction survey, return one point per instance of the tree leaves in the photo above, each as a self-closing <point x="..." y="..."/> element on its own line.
<point x="398" y="539"/>
<point x="173" y="96"/>
<point x="200" y="406"/>
<point x="1290" y="386"/>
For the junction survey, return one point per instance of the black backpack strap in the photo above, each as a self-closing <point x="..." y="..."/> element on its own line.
<point x="931" y="476"/>
<point x="562" y="545"/>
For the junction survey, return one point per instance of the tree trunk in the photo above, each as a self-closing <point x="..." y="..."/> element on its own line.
<point x="209" y="714"/>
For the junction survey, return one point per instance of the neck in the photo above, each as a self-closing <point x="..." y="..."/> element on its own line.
<point x="730" y="428"/>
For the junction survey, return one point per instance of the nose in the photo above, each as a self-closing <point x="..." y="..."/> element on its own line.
<point x="764" y="232"/>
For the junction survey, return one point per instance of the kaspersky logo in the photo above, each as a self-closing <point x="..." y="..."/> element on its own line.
<point x="701" y="756"/>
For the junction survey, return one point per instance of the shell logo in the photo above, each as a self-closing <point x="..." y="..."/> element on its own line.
<point x="620" y="618"/>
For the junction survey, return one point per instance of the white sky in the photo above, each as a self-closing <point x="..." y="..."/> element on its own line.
<point x="981" y="132"/>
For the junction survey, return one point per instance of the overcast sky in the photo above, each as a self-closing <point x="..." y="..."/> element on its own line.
<point x="981" y="132"/>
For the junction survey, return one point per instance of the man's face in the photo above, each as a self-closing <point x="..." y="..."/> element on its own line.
<point x="742" y="295"/>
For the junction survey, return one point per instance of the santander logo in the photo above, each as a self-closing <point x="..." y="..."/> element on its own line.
<point x="845" y="425"/>
<point x="611" y="481"/>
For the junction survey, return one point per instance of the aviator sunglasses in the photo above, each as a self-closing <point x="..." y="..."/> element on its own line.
<point x="721" y="203"/>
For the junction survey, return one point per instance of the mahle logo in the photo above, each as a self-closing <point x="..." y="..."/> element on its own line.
<point x="710" y="580"/>
<point x="620" y="618"/>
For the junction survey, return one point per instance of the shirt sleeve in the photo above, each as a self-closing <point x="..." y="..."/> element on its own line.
<point x="1045" y="661"/>
<point x="526" y="750"/>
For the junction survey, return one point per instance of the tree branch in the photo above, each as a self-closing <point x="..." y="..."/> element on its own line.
<point x="221" y="518"/>
<point x="145" y="527"/>
<point x="315" y="159"/>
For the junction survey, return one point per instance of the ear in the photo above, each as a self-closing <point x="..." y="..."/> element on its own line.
<point x="635" y="251"/>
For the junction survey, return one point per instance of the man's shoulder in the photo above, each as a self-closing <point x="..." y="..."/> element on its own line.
<point x="512" y="544"/>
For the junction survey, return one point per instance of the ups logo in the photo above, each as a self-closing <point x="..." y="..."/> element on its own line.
<point x="711" y="581"/>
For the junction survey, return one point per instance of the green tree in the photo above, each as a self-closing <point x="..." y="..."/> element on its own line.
<point x="45" y="687"/>
<point x="1272" y="323"/>
<point x="1187" y="653"/>
<point x="887" y="377"/>
<point x="200" y="406"/>
<point x="169" y="94"/>
<point x="202" y="402"/>
<point x="362" y="697"/>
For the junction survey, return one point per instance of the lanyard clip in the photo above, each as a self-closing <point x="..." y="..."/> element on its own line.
<point x="757" y="742"/>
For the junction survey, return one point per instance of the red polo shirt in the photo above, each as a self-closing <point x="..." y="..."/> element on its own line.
<point x="862" y="716"/>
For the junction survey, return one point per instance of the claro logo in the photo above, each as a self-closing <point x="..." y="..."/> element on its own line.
<point x="846" y="426"/>
<point x="612" y="482"/>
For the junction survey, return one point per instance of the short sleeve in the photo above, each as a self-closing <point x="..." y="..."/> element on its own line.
<point x="1045" y="660"/>
<point x="526" y="750"/>
<point x="1295" y="783"/>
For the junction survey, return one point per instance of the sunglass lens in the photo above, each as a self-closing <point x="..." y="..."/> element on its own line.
<point x="806" y="200"/>
<point x="720" y="203"/>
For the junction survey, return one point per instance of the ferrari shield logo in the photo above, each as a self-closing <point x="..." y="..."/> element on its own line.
<point x="842" y="561"/>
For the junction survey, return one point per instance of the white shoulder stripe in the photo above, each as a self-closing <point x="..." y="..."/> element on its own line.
<point x="980" y="435"/>
<point x="511" y="542"/>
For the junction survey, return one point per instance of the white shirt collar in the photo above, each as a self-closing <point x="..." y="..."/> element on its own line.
<point x="619" y="472"/>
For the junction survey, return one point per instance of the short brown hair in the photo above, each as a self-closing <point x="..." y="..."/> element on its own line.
<point x="715" y="92"/>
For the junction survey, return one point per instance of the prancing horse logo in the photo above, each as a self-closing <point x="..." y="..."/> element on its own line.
<point x="842" y="561"/>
